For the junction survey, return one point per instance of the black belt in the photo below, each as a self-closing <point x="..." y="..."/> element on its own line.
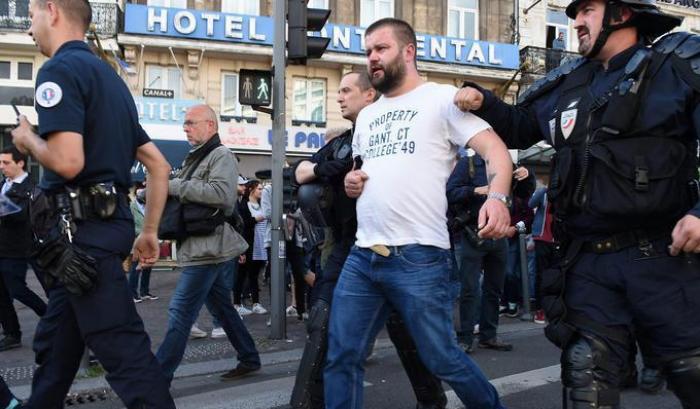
<point x="622" y="241"/>
<point x="81" y="203"/>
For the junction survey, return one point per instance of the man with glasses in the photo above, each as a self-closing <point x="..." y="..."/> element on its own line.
<point x="208" y="260"/>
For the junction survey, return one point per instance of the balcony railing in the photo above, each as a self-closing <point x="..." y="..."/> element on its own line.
<point x="539" y="61"/>
<point x="14" y="16"/>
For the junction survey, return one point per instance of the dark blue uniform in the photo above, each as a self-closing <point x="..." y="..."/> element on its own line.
<point x="625" y="172"/>
<point x="79" y="93"/>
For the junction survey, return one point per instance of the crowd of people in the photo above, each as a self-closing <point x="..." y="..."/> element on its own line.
<point x="393" y="227"/>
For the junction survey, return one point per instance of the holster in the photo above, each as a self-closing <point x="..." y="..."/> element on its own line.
<point x="62" y="260"/>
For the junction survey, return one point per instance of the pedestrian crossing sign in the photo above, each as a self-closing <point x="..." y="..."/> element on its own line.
<point x="255" y="87"/>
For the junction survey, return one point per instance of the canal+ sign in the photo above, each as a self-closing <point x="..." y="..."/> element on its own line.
<point x="211" y="25"/>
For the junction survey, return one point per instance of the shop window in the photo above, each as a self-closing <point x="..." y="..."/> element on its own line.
<point x="309" y="104"/>
<point x="463" y="19"/>
<point x="373" y="10"/>
<point x="158" y="77"/>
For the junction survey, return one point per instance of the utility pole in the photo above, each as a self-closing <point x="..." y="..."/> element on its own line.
<point x="278" y="328"/>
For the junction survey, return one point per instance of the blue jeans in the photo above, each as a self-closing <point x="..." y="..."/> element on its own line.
<point x="491" y="257"/>
<point x="210" y="283"/>
<point x="418" y="282"/>
<point x="134" y="280"/>
<point x="232" y="276"/>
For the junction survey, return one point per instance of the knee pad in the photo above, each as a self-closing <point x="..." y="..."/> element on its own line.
<point x="586" y="375"/>
<point x="683" y="378"/>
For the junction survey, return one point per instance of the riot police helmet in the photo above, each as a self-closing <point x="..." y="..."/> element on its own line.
<point x="312" y="200"/>
<point x="649" y="20"/>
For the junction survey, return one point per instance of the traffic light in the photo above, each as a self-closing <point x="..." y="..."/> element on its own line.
<point x="301" y="20"/>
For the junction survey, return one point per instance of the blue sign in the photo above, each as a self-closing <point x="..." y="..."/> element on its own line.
<point x="163" y="111"/>
<point x="212" y="25"/>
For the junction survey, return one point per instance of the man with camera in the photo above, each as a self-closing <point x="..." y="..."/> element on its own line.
<point x="209" y="259"/>
<point x="467" y="190"/>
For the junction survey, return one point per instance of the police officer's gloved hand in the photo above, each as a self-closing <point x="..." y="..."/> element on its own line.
<point x="69" y="265"/>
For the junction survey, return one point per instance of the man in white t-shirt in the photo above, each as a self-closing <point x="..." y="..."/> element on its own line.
<point x="407" y="142"/>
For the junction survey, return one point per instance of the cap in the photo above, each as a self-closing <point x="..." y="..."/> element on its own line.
<point x="242" y="180"/>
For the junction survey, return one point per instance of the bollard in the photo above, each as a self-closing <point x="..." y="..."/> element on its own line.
<point x="524" y="273"/>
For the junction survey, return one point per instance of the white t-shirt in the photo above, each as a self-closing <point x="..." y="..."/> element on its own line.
<point x="408" y="145"/>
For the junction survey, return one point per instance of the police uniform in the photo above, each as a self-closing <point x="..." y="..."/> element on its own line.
<point x="625" y="171"/>
<point x="77" y="92"/>
<point x="333" y="162"/>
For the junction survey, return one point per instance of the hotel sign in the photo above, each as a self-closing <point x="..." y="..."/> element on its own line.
<point x="211" y="25"/>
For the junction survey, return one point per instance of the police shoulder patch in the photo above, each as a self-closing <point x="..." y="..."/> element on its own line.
<point x="48" y="94"/>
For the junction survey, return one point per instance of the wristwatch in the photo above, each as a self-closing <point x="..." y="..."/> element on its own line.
<point x="501" y="197"/>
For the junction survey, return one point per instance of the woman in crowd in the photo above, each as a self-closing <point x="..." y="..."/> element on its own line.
<point x="256" y="256"/>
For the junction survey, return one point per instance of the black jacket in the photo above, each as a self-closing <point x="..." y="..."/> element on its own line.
<point x="15" y="229"/>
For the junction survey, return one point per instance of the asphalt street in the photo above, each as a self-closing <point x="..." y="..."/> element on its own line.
<point x="526" y="378"/>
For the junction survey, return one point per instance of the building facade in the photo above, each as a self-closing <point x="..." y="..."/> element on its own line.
<point x="195" y="49"/>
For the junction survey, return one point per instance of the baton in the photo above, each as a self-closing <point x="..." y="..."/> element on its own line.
<point x="16" y="112"/>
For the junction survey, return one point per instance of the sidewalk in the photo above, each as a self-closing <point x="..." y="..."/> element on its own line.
<point x="17" y="365"/>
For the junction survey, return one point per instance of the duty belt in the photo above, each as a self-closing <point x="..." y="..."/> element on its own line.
<point x="97" y="201"/>
<point x="622" y="241"/>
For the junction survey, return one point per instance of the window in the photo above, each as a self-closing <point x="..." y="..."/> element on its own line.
<point x="229" y="98"/>
<point x="557" y="23"/>
<point x="5" y="70"/>
<point x="309" y="100"/>
<point x="373" y="10"/>
<point x="24" y="71"/>
<point x="463" y="19"/>
<point x="163" y="78"/>
<point x="318" y="4"/>
<point x="250" y="7"/>
<point x="16" y="71"/>
<point x="179" y="4"/>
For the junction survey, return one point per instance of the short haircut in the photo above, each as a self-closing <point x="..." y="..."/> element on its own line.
<point x="16" y="155"/>
<point x="79" y="11"/>
<point x="403" y="31"/>
<point x="363" y="82"/>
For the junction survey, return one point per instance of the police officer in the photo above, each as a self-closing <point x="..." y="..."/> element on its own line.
<point x="88" y="138"/>
<point x="322" y="196"/>
<point x="625" y="122"/>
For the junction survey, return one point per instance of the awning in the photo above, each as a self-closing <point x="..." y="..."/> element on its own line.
<point x="174" y="152"/>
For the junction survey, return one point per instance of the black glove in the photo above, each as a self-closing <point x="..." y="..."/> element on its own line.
<point x="67" y="264"/>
